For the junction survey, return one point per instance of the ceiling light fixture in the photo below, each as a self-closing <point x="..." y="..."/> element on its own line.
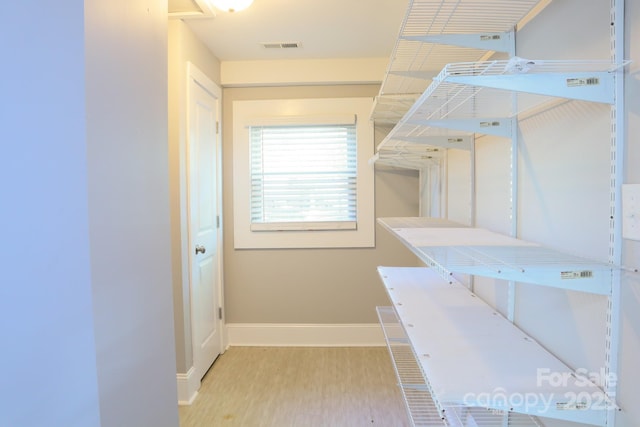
<point x="231" y="5"/>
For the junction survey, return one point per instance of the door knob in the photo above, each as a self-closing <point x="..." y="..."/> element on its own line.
<point x="200" y="249"/>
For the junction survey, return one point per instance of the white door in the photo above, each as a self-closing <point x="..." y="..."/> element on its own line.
<point x="204" y="211"/>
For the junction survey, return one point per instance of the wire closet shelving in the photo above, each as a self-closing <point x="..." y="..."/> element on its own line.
<point x="452" y="248"/>
<point x="452" y="75"/>
<point x="434" y="33"/>
<point x="459" y="344"/>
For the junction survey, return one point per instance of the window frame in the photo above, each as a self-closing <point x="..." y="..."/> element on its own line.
<point x="348" y="170"/>
<point x="247" y="113"/>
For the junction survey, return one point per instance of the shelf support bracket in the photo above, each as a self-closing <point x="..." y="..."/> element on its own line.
<point x="498" y="42"/>
<point x="497" y="126"/>
<point x="462" y="142"/>
<point x="423" y="75"/>
<point x="595" y="86"/>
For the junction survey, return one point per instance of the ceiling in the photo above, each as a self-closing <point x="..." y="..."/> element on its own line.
<point x="322" y="28"/>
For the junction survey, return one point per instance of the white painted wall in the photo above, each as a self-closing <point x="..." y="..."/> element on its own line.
<point x="129" y="227"/>
<point x="46" y="321"/>
<point x="458" y="187"/>
<point x="85" y="301"/>
<point x="629" y="381"/>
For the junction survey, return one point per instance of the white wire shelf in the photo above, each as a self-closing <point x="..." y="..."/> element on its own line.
<point x="484" y="97"/>
<point x="389" y="109"/>
<point x="417" y="155"/>
<point x="409" y="156"/>
<point x="391" y="223"/>
<point x="474" y="358"/>
<point x="481" y="252"/>
<point x="463" y="416"/>
<point x="421" y="408"/>
<point x="434" y="33"/>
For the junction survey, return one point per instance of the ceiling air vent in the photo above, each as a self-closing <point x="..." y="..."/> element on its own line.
<point x="281" y="45"/>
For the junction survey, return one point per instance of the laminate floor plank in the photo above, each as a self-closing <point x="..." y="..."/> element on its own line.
<point x="298" y="387"/>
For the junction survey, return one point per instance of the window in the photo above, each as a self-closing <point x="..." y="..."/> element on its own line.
<point x="302" y="179"/>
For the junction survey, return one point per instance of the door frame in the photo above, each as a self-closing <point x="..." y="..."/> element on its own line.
<point x="193" y="73"/>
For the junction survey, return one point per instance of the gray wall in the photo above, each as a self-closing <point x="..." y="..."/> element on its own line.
<point x="85" y="301"/>
<point x="564" y="193"/>
<point x="311" y="285"/>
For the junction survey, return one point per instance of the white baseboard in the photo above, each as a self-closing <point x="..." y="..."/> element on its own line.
<point x="188" y="386"/>
<point x="305" y="335"/>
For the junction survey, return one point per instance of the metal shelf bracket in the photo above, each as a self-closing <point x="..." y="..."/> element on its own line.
<point x="585" y="86"/>
<point x="500" y="126"/>
<point x="497" y="42"/>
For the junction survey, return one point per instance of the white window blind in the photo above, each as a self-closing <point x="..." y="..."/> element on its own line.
<point x="303" y="177"/>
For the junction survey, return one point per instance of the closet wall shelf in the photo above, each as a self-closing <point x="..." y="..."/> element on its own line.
<point x="463" y="250"/>
<point x="409" y="155"/>
<point x="434" y="33"/>
<point x="414" y="153"/>
<point x="484" y="97"/>
<point x="423" y="410"/>
<point x="472" y="357"/>
<point x="389" y="109"/>
<point x="421" y="407"/>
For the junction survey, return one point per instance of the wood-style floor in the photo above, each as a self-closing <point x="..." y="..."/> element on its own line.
<point x="298" y="387"/>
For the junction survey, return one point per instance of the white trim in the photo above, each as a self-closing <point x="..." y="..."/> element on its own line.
<point x="304" y="226"/>
<point x="324" y="119"/>
<point x="195" y="75"/>
<point x="305" y="335"/>
<point x="188" y="386"/>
